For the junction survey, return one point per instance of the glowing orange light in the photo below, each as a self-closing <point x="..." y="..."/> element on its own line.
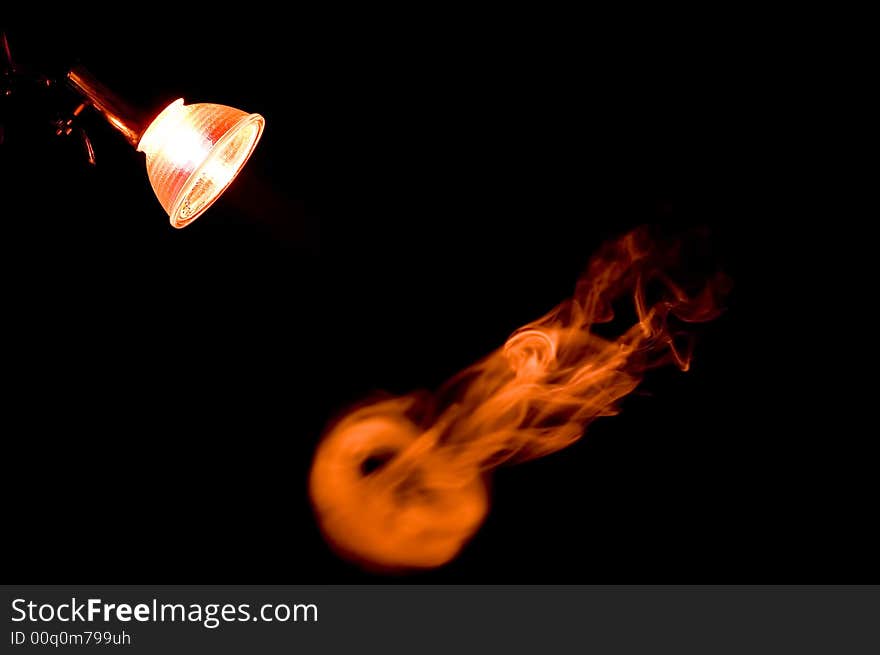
<point x="401" y="483"/>
<point x="193" y="154"/>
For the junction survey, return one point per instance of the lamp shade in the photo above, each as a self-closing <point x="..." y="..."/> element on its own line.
<point x="193" y="154"/>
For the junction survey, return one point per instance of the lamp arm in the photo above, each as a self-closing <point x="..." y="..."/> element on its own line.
<point x="124" y="118"/>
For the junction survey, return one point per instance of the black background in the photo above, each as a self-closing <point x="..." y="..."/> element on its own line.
<point x="425" y="184"/>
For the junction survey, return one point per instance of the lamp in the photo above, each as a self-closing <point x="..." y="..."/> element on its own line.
<point x="193" y="152"/>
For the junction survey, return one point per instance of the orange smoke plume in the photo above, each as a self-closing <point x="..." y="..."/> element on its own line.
<point x="401" y="483"/>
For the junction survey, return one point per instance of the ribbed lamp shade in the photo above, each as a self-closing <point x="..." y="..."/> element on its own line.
<point x="194" y="152"/>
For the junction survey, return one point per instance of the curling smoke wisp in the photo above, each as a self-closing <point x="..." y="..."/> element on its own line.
<point x="401" y="483"/>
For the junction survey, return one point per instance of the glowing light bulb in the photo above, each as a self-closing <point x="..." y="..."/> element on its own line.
<point x="193" y="154"/>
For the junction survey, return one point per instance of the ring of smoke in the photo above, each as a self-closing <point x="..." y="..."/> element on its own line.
<point x="400" y="483"/>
